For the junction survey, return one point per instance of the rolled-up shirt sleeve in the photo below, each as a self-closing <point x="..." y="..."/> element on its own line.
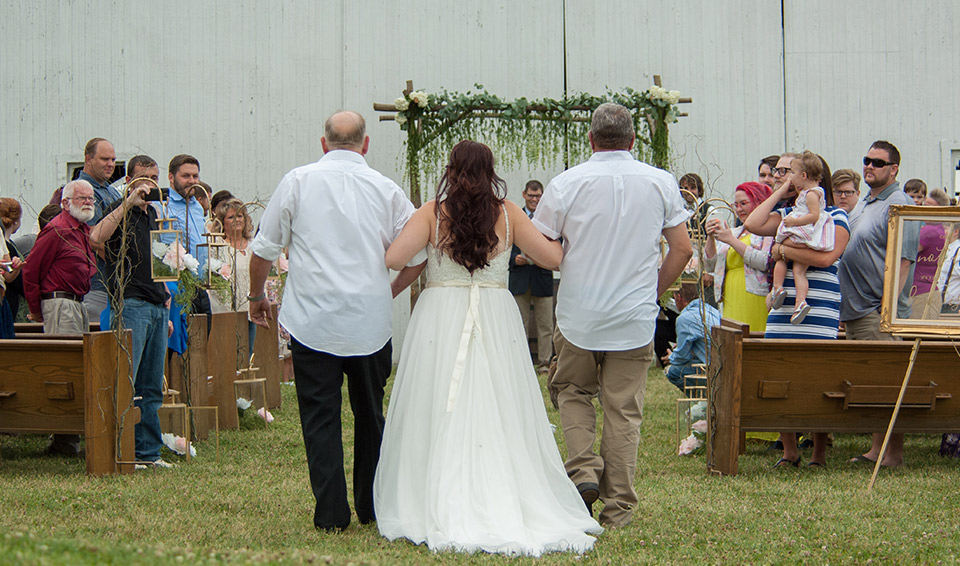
<point x="548" y="217"/>
<point x="674" y="211"/>
<point x="274" y="233"/>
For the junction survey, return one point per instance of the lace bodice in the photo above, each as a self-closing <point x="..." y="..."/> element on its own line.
<point x="441" y="268"/>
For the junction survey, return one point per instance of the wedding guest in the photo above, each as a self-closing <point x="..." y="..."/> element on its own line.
<point x="203" y="197"/>
<point x="949" y="282"/>
<point x="183" y="173"/>
<point x="692" y="192"/>
<point x="532" y="285"/>
<point x="765" y="171"/>
<point x="740" y="261"/>
<point x="215" y="201"/>
<point x="861" y="272"/>
<point x="10" y="213"/>
<point x="58" y="276"/>
<point x="917" y="190"/>
<point x="846" y="188"/>
<point x="7" y="330"/>
<point x="925" y="301"/>
<point x="138" y="304"/>
<point x="610" y="325"/>
<point x="99" y="164"/>
<point x="823" y="319"/>
<point x="238" y="234"/>
<point x="693" y="335"/>
<point x="337" y="305"/>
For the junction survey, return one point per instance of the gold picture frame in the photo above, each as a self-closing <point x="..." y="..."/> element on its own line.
<point x="900" y="215"/>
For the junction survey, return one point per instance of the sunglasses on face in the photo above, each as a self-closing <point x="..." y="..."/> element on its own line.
<point x="876" y="163"/>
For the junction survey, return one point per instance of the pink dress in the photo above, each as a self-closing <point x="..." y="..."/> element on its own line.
<point x="817" y="236"/>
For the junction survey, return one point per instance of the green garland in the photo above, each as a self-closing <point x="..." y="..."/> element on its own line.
<point x="531" y="132"/>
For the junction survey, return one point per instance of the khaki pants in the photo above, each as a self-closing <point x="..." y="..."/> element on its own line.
<point x="63" y="316"/>
<point x="620" y="384"/>
<point x="867" y="328"/>
<point x="543" y="316"/>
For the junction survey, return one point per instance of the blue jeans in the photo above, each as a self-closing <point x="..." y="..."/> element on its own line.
<point x="148" y="323"/>
<point x="676" y="373"/>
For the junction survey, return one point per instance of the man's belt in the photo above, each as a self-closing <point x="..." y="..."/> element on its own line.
<point x="61" y="295"/>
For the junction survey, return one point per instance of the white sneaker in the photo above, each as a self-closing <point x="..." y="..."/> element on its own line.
<point x="161" y="463"/>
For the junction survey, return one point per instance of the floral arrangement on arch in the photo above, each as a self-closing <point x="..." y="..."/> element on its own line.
<point x="540" y="132"/>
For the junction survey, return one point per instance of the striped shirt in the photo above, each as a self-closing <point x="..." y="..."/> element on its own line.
<point x="823" y="297"/>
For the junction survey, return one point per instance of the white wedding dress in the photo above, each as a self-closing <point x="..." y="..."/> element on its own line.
<point x="469" y="461"/>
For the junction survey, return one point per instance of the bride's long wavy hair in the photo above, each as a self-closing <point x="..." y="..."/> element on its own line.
<point x="468" y="205"/>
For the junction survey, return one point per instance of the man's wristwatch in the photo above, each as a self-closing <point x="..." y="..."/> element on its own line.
<point x="257" y="298"/>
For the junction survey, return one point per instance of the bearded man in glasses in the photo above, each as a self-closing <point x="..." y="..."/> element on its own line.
<point x="57" y="276"/>
<point x="862" y="266"/>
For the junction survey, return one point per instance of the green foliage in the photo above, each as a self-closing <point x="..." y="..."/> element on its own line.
<point x="533" y="132"/>
<point x="254" y="505"/>
<point x="187" y="288"/>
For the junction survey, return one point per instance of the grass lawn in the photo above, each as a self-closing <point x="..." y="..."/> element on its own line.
<point x="255" y="506"/>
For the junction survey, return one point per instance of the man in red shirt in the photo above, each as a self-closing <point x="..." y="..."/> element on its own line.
<point x="57" y="276"/>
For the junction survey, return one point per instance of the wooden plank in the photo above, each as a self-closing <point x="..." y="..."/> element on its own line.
<point x="201" y="389"/>
<point x="723" y="399"/>
<point x="110" y="420"/>
<point x="222" y="354"/>
<point x="266" y="346"/>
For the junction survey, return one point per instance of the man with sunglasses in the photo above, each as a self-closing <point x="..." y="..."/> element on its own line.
<point x="862" y="267"/>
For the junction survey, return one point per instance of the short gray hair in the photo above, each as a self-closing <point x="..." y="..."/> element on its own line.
<point x="612" y="127"/>
<point x="71" y="187"/>
<point x="345" y="130"/>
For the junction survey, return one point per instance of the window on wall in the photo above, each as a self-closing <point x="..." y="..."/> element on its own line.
<point x="74" y="168"/>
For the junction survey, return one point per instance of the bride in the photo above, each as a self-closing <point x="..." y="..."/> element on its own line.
<point x="469" y="461"/>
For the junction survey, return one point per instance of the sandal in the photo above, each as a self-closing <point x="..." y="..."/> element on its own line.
<point x="800" y="313"/>
<point x="816" y="465"/>
<point x="783" y="461"/>
<point x="778" y="296"/>
<point x="861" y="459"/>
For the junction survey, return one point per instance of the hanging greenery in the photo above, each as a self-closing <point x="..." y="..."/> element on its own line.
<point x="533" y="132"/>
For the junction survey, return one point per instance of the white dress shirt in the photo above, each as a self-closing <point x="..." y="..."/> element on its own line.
<point x="950" y="275"/>
<point x="610" y="211"/>
<point x="337" y="217"/>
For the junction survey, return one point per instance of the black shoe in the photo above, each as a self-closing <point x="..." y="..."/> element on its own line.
<point x="589" y="491"/>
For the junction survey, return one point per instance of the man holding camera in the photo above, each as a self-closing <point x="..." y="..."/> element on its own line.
<point x="123" y="239"/>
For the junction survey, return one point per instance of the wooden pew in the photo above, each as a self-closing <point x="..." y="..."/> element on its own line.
<point x="72" y="385"/>
<point x="845" y="386"/>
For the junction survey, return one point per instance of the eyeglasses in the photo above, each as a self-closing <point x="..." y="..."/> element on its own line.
<point x="82" y="199"/>
<point x="532" y="196"/>
<point x="781" y="171"/>
<point x="876" y="163"/>
<point x="845" y="193"/>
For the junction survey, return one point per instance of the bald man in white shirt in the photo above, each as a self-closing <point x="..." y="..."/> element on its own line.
<point x="337" y="217"/>
<point x="611" y="212"/>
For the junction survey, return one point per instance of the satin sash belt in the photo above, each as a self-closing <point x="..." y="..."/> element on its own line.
<point x="471" y="326"/>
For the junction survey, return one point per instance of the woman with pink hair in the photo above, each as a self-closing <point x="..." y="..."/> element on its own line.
<point x="741" y="261"/>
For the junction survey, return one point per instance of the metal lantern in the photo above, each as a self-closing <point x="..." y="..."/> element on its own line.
<point x="213" y="239"/>
<point x="165" y="258"/>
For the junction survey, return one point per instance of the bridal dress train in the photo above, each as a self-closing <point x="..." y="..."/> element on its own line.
<point x="469" y="461"/>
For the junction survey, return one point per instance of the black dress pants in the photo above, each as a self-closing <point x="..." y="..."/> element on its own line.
<point x="319" y="380"/>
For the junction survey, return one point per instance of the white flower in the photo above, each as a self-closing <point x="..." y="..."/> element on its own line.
<point x="420" y="98"/>
<point x="243" y="404"/>
<point x="401" y="119"/>
<point x="657" y="93"/>
<point x="189" y="262"/>
<point x="215" y="264"/>
<point x="673" y="96"/>
<point x="402" y="104"/>
<point x="159" y="249"/>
